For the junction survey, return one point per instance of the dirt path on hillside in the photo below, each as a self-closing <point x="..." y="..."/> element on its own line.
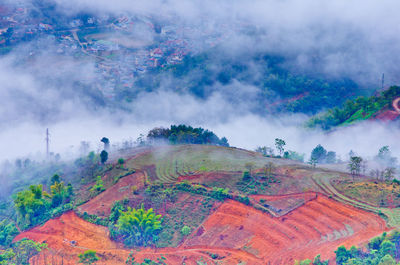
<point x="396" y="105"/>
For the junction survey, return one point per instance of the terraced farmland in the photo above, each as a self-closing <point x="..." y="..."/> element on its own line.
<point x="299" y="215"/>
<point x="174" y="161"/>
<point x="315" y="228"/>
<point x="324" y="182"/>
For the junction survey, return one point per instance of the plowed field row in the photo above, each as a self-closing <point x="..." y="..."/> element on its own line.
<point x="303" y="233"/>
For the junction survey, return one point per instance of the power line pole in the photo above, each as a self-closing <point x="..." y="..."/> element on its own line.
<point x="383" y="80"/>
<point x="47" y="142"/>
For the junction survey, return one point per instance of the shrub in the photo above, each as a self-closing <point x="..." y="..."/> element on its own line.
<point x="185" y="230"/>
<point x="88" y="257"/>
<point x="103" y="156"/>
<point x="7" y="232"/>
<point x="134" y="189"/>
<point x="220" y="193"/>
<point x="31" y="205"/>
<point x="25" y="249"/>
<point x="115" y="211"/>
<point x="246" y="176"/>
<point x="98" y="187"/>
<point x="139" y="226"/>
<point x="243" y="199"/>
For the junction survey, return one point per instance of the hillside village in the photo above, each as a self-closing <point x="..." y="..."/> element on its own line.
<point x="119" y="55"/>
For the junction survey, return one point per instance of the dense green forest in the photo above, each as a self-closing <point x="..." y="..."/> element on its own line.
<point x="361" y="108"/>
<point x="278" y="89"/>
<point x="183" y="134"/>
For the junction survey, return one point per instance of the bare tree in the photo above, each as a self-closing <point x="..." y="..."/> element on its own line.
<point x="249" y="166"/>
<point x="389" y="174"/>
<point x="268" y="169"/>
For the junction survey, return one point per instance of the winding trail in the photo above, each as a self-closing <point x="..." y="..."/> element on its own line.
<point x="396" y="105"/>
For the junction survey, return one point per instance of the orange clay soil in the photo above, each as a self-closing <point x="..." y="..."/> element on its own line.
<point x="59" y="233"/>
<point x="318" y="227"/>
<point x="388" y="115"/>
<point x="234" y="232"/>
<point x="102" y="203"/>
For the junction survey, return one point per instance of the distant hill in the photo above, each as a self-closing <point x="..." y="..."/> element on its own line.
<point x="383" y="106"/>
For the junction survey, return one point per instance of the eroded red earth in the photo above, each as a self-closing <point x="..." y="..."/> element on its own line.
<point x="232" y="234"/>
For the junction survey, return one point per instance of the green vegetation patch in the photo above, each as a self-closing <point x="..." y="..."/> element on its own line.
<point x="361" y="108"/>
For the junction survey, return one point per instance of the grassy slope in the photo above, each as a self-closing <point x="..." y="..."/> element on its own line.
<point x="324" y="181"/>
<point x="174" y="161"/>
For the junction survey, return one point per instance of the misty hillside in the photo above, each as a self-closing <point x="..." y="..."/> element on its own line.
<point x="383" y="106"/>
<point x="125" y="56"/>
<point x="199" y="132"/>
<point x="73" y="63"/>
<point x="110" y="61"/>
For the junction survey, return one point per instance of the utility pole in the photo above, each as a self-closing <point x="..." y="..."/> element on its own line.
<point x="47" y="142"/>
<point x="383" y="80"/>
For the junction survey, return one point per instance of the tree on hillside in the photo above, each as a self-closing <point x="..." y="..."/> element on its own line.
<point x="389" y="174"/>
<point x="106" y="142"/>
<point x="158" y="133"/>
<point x="60" y="193"/>
<point x="185" y="230"/>
<point x="355" y="165"/>
<point x="330" y="157"/>
<point x="121" y="162"/>
<point x="26" y="249"/>
<point x="265" y="150"/>
<point x="139" y="226"/>
<point x="313" y="162"/>
<point x="280" y="144"/>
<point x="385" y="157"/>
<point x="183" y="134"/>
<point x="98" y="187"/>
<point x="250" y="166"/>
<point x="30" y="205"/>
<point x="8" y="231"/>
<point x="293" y="155"/>
<point x="103" y="156"/>
<point x="319" y="154"/>
<point x="268" y="169"/>
<point x="88" y="257"/>
<point x="55" y="178"/>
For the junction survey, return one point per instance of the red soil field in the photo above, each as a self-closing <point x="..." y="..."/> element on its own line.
<point x="318" y="227"/>
<point x="234" y="232"/>
<point x="59" y="232"/>
<point x="390" y="115"/>
<point x="102" y="203"/>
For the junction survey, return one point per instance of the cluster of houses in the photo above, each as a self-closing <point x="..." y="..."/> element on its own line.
<point x="120" y="66"/>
